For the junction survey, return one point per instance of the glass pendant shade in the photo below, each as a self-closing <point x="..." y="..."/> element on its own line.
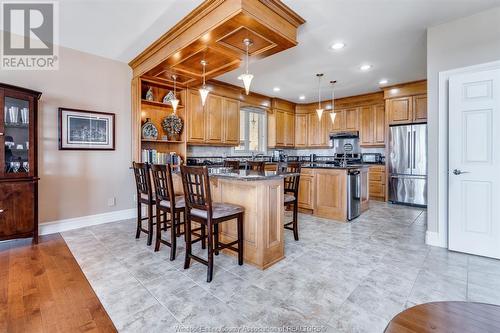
<point x="320" y="113"/>
<point x="203" y="93"/>
<point x="174" y="103"/>
<point x="333" y="115"/>
<point x="247" y="80"/>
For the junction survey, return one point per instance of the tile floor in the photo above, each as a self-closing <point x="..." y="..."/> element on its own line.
<point x="338" y="278"/>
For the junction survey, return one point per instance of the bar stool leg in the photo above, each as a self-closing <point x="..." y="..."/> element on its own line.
<point x="240" y="239"/>
<point x="295" y="221"/>
<point x="210" y="258"/>
<point x="139" y="219"/>
<point x="158" y="229"/>
<point x="203" y="237"/>
<point x="173" y="238"/>
<point x="150" y="225"/>
<point x="216" y="239"/>
<point x="187" y="236"/>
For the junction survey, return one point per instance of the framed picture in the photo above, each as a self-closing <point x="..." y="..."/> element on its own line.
<point x="86" y="130"/>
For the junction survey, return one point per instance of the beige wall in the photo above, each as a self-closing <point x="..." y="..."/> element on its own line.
<point x="79" y="183"/>
<point x="465" y="42"/>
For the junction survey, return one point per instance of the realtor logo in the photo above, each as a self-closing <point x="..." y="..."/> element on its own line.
<point x="30" y="36"/>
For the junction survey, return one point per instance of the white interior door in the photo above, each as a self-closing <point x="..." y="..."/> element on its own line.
<point x="474" y="163"/>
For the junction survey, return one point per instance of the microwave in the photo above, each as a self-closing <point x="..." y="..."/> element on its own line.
<point x="372" y="158"/>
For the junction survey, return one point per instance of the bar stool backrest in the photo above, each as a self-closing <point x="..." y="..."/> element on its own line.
<point x="256" y="166"/>
<point x="142" y="180"/>
<point x="162" y="179"/>
<point x="292" y="182"/>
<point x="196" y="185"/>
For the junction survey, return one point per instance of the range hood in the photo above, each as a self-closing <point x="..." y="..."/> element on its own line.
<point x="344" y="135"/>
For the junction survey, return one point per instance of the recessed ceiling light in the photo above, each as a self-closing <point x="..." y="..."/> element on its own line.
<point x="302" y="97"/>
<point x="338" y="46"/>
<point x="276" y="89"/>
<point x="383" y="81"/>
<point x="365" y="67"/>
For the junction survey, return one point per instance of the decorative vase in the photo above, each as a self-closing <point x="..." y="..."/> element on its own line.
<point x="149" y="94"/>
<point x="172" y="125"/>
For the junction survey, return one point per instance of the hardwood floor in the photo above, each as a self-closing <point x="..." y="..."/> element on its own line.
<point x="42" y="289"/>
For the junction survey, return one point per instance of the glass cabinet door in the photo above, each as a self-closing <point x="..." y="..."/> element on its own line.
<point x="17" y="135"/>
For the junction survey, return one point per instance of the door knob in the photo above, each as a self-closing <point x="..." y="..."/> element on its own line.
<point x="459" y="172"/>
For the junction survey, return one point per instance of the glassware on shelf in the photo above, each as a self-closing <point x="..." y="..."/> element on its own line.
<point x="26" y="166"/>
<point x="13" y="114"/>
<point x="25" y="115"/>
<point x="15" y="166"/>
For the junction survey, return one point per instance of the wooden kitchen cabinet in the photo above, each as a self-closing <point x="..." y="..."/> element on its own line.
<point x="306" y="190"/>
<point x="399" y="110"/>
<point x="346" y="120"/>
<point x="281" y="129"/>
<point x="289" y="129"/>
<point x="330" y="197"/>
<point x="301" y="130"/>
<point x="196" y="118"/>
<point x="420" y="108"/>
<point x="218" y="123"/>
<point x="213" y="119"/>
<point x="340" y="123"/>
<point x="372" y="126"/>
<point x="231" y="135"/>
<point x="377" y="182"/>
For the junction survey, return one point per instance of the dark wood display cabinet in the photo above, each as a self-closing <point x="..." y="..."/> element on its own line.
<point x="18" y="163"/>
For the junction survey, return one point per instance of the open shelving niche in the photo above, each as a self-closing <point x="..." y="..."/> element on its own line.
<point x="156" y="110"/>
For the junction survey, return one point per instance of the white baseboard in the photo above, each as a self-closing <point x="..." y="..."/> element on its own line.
<point x="85" y="221"/>
<point x="434" y="238"/>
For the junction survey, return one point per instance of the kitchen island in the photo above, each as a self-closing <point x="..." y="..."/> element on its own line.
<point x="323" y="190"/>
<point x="262" y="195"/>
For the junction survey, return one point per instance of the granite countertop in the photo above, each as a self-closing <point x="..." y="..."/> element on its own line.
<point x="245" y="175"/>
<point x="331" y="166"/>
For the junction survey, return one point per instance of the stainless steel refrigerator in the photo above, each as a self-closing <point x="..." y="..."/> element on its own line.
<point x="408" y="164"/>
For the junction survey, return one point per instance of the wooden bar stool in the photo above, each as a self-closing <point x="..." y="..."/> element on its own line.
<point x="255" y="166"/>
<point x="167" y="203"/>
<point x="146" y="197"/>
<point x="199" y="208"/>
<point x="235" y="165"/>
<point x="292" y="195"/>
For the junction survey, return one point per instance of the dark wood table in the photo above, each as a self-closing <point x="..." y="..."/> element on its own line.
<point x="459" y="317"/>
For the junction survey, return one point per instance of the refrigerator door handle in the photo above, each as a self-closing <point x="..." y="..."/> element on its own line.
<point x="414" y="149"/>
<point x="409" y="149"/>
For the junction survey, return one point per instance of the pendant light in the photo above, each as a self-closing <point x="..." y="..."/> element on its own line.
<point x="333" y="115"/>
<point x="174" y="101"/>
<point x="203" y="90"/>
<point x="246" y="77"/>
<point x="319" y="110"/>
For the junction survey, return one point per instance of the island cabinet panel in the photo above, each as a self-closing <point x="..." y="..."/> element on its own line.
<point x="214" y="115"/>
<point x="377" y="182"/>
<point x="301" y="130"/>
<point x="195" y="118"/>
<point x="420" y="108"/>
<point x="306" y="189"/>
<point x="231" y="121"/>
<point x="400" y="110"/>
<point x="331" y="198"/>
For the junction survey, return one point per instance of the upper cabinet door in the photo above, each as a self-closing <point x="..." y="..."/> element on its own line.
<point x="379" y="122"/>
<point x="214" y="125"/>
<point x="400" y="110"/>
<point x="367" y="128"/>
<point x="420" y="108"/>
<point x="231" y="121"/>
<point x="196" y="118"/>
<point x="280" y="128"/>
<point x="351" y="119"/>
<point x="314" y="132"/>
<point x="301" y="130"/>
<point x="17" y="134"/>
<point x="289" y="129"/>
<point x="339" y="124"/>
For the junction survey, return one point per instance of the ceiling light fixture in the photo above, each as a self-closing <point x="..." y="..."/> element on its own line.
<point x="203" y="90"/>
<point x="319" y="110"/>
<point x="365" y="67"/>
<point x="246" y="77"/>
<point x="174" y="101"/>
<point x="276" y="89"/>
<point x="302" y="97"/>
<point x="338" y="46"/>
<point x="383" y="81"/>
<point x="333" y="115"/>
